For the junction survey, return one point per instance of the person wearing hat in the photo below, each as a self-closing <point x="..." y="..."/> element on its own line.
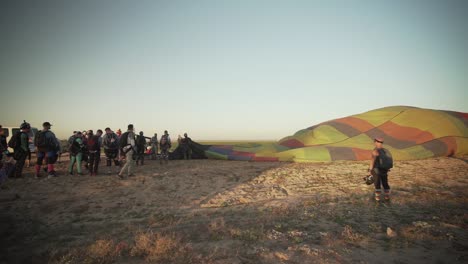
<point x="111" y="148"/>
<point x="380" y="164"/>
<point x="22" y="148"/>
<point x="129" y="149"/>
<point x="47" y="147"/>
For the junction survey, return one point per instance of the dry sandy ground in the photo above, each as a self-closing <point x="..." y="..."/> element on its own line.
<point x="208" y="211"/>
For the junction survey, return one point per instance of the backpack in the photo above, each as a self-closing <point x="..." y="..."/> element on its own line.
<point x="74" y="146"/>
<point x="15" y="140"/>
<point x="141" y="141"/>
<point x="108" y="141"/>
<point x="123" y="142"/>
<point x="385" y="159"/>
<point x="71" y="139"/>
<point x="41" y="140"/>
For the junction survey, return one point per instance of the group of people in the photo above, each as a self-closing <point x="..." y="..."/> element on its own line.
<point x="86" y="146"/>
<point x="124" y="150"/>
<point x="47" y="149"/>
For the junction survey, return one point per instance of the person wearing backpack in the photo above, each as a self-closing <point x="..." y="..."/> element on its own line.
<point x="141" y="147"/>
<point x="46" y="147"/>
<point x="71" y="139"/>
<point x="380" y="165"/>
<point x="20" y="143"/>
<point x="127" y="147"/>
<point x="94" y="150"/>
<point x="76" y="153"/>
<point x="111" y="148"/>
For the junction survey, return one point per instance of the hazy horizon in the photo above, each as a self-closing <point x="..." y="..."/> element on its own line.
<point x="227" y="70"/>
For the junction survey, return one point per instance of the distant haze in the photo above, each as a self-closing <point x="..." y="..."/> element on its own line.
<point x="226" y="70"/>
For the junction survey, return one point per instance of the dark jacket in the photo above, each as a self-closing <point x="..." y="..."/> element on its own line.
<point x="24" y="142"/>
<point x="140" y="141"/>
<point x="76" y="146"/>
<point x="93" y="143"/>
<point x="3" y="144"/>
<point x="110" y="141"/>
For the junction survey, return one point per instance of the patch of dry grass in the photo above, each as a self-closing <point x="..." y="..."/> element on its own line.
<point x="350" y="236"/>
<point x="414" y="233"/>
<point x="152" y="247"/>
<point x="292" y="214"/>
<point x="217" y="228"/>
<point x="102" y="251"/>
<point x="159" y="248"/>
<point x="249" y="235"/>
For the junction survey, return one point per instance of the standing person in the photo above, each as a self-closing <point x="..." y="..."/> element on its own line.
<point x="127" y="147"/>
<point x="380" y="165"/>
<point x="99" y="133"/>
<point x="120" y="159"/>
<point x="76" y="153"/>
<point x="84" y="137"/>
<point x="154" y="146"/>
<point x="3" y="144"/>
<point x="94" y="152"/>
<point x="46" y="145"/>
<point x="71" y="139"/>
<point x="111" y="148"/>
<point x="141" y="147"/>
<point x="186" y="145"/>
<point x="20" y="143"/>
<point x="165" y="144"/>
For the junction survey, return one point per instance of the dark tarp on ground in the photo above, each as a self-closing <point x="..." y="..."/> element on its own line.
<point x="198" y="152"/>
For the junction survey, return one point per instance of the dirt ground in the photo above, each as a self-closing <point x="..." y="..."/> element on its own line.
<point x="210" y="211"/>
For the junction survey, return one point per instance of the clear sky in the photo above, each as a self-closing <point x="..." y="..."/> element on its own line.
<point x="226" y="69"/>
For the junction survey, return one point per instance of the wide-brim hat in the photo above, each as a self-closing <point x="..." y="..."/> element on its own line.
<point x="379" y="139"/>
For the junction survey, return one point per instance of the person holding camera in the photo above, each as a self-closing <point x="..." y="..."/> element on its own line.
<point x="380" y="165"/>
